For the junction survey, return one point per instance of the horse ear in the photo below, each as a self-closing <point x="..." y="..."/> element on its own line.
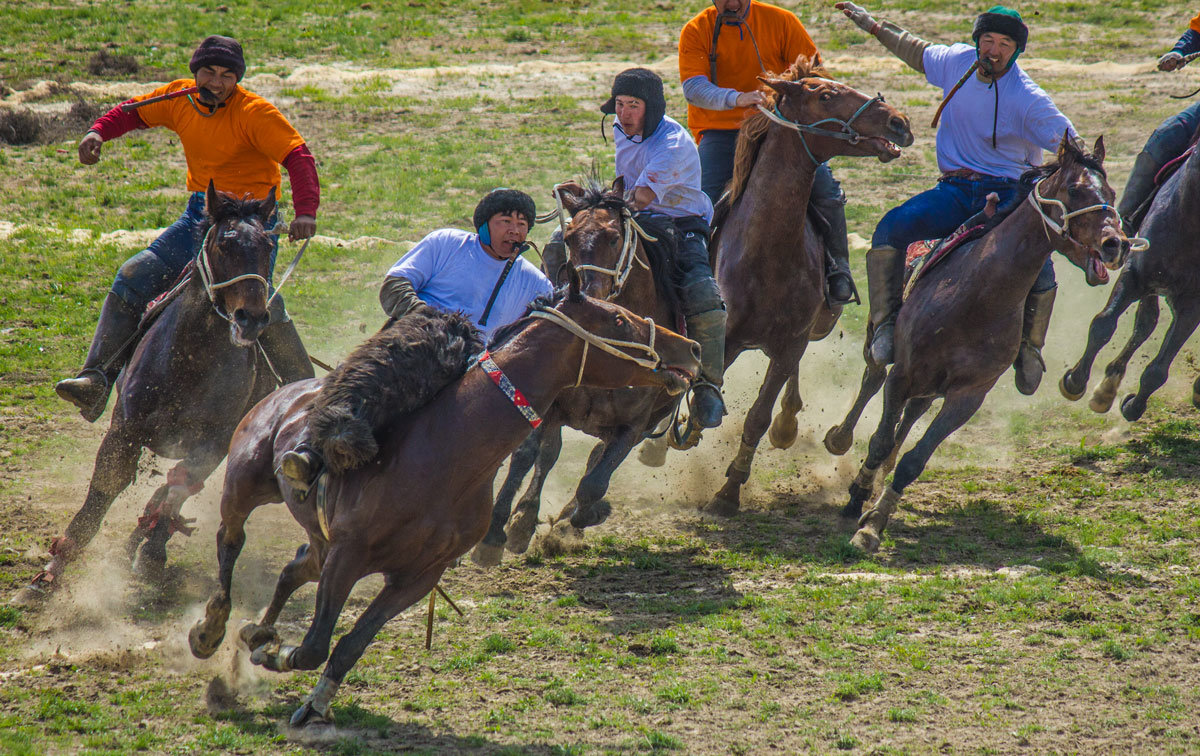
<point x="267" y="207"/>
<point x="782" y="87"/>
<point x="1098" y="149"/>
<point x="573" y="284"/>
<point x="572" y="196"/>
<point x="618" y="185"/>
<point x="1067" y="149"/>
<point x="212" y="201"/>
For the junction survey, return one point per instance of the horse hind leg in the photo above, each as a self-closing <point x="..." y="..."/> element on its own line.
<point x="590" y="506"/>
<point x="784" y="429"/>
<point x="1155" y="374"/>
<point x="525" y="519"/>
<point x="883" y="441"/>
<point x="1143" y="326"/>
<point x="1125" y="292"/>
<point x="840" y="437"/>
<point x="488" y="552"/>
<point x="914" y="409"/>
<point x="162" y="517"/>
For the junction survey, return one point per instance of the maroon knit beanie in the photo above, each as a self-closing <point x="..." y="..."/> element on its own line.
<point x="219" y="51"/>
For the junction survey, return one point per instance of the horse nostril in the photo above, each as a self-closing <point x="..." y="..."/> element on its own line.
<point x="696" y="351"/>
<point x="241" y="317"/>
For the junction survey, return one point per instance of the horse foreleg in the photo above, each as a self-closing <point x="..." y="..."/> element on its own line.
<point x="1143" y="326"/>
<point x="727" y="501"/>
<point x="304" y="568"/>
<point x="840" y="437"/>
<point x="785" y="428"/>
<point x="1125" y="292"/>
<point x="956" y="410"/>
<point x="883" y="441"/>
<point x="525" y="519"/>
<point x="488" y="552"/>
<point x="163" y="517"/>
<point x="589" y="507"/>
<point x="1155" y="374"/>
<point x="914" y="409"/>
<point x="399" y="593"/>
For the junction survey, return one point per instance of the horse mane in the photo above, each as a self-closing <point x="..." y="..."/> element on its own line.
<point x="1039" y="172"/>
<point x="391" y="374"/>
<point x="596" y="195"/>
<point x="754" y="128"/>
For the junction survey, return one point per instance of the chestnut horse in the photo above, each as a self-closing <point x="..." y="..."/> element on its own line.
<point x="427" y="498"/>
<point x="770" y="264"/>
<point x="191" y="378"/>
<point x="1167" y="269"/>
<point x="960" y="327"/>
<point x="605" y="245"/>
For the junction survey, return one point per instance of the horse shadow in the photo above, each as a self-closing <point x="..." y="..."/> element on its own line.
<point x="1170" y="449"/>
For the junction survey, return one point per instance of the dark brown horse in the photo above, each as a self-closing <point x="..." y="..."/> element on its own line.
<point x="191" y="378"/>
<point x="1167" y="269"/>
<point x="770" y="263"/>
<point x="960" y="327"/>
<point x="604" y="244"/>
<point x="427" y="497"/>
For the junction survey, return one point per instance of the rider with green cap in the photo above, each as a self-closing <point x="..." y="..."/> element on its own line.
<point x="994" y="124"/>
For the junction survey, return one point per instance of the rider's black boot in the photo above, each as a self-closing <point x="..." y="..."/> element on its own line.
<point x="841" y="283"/>
<point x="1029" y="365"/>
<point x="283" y="347"/>
<point x="708" y="329"/>
<point x="300" y="467"/>
<point x="89" y="390"/>
<point x="1137" y="190"/>
<point x="885" y="286"/>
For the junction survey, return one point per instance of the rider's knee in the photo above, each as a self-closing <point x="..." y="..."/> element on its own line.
<point x="142" y="278"/>
<point x="278" y="310"/>
<point x="701" y="295"/>
<point x="1045" y="280"/>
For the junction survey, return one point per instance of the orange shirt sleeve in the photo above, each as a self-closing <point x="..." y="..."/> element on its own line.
<point x="269" y="132"/>
<point x="1195" y="24"/>
<point x="694" y="45"/>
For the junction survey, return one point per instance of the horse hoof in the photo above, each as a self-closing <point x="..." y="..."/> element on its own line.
<point x="1100" y="403"/>
<point x="1065" y="388"/>
<point x="838" y="441"/>
<point x="783" y="431"/>
<point x="564" y="538"/>
<point x="722" y="507"/>
<point x="1132" y="408"/>
<point x="202" y="643"/>
<point x="653" y="452"/>
<point x="851" y="512"/>
<point x="487" y="555"/>
<point x="520" y="531"/>
<point x="591" y="516"/>
<point x="151" y="564"/>
<point x="866" y="541"/>
<point x="254" y="637"/>
<point x="307" y="716"/>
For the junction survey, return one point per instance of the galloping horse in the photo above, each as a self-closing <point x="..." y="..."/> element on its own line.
<point x="960" y="328"/>
<point x="769" y="261"/>
<point x="1168" y="269"/>
<point x="605" y="245"/>
<point x="190" y="379"/>
<point x="428" y="496"/>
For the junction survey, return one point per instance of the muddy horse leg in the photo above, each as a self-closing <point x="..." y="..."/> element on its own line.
<point x="1143" y="325"/>
<point x="784" y="428"/>
<point x="1187" y="315"/>
<point x="1125" y="292"/>
<point x="115" y="467"/>
<point x="488" y="552"/>
<point x="727" y="501"/>
<point x="304" y="568"/>
<point x="399" y="592"/>
<point x="162" y="517"/>
<point x="883" y="441"/>
<point x="956" y="410"/>
<point x="525" y="519"/>
<point x="914" y="409"/>
<point x="840" y="437"/>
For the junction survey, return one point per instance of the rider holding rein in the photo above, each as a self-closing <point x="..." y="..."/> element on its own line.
<point x="233" y="138"/>
<point x="722" y="52"/>
<point x="1168" y="141"/>
<point x="481" y="274"/>
<point x="995" y="122"/>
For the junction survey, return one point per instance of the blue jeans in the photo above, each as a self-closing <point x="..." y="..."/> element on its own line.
<point x="717" y="147"/>
<point x="152" y="271"/>
<point x="937" y="212"/>
<point x="1171" y="138"/>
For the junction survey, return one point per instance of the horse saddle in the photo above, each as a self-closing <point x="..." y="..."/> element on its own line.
<point x="923" y="255"/>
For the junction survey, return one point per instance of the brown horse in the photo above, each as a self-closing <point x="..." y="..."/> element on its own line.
<point x="191" y="378"/>
<point x="606" y="247"/>
<point x="960" y="328"/>
<point x="428" y="496"/>
<point x="770" y="263"/>
<point x="1167" y="269"/>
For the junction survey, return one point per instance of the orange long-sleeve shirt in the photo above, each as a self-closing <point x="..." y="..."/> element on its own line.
<point x="1195" y="24"/>
<point x="781" y="39"/>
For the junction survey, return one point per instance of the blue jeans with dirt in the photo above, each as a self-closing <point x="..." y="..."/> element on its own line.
<point x="717" y="147"/>
<point x="937" y="212"/>
<point x="1172" y="137"/>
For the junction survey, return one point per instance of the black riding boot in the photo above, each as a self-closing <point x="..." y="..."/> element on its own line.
<point x="301" y="465"/>
<point x="838" y="278"/>
<point x="708" y="329"/>
<point x="283" y="347"/>
<point x="1029" y="365"/>
<point x="89" y="390"/>
<point x="1137" y="190"/>
<point x="885" y="285"/>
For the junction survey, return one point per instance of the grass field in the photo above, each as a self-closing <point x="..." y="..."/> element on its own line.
<point x="1037" y="592"/>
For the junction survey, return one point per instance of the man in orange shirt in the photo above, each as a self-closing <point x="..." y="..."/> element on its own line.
<point x="722" y="52"/>
<point x="237" y="140"/>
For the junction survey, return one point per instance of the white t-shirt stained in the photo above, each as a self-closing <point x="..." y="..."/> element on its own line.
<point x="668" y="163"/>
<point x="450" y="270"/>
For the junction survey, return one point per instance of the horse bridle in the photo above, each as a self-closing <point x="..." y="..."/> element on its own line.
<point x="846" y="133"/>
<point x="630" y="230"/>
<point x="1064" y="230"/>
<point x="652" y="360"/>
<point x="210" y="288"/>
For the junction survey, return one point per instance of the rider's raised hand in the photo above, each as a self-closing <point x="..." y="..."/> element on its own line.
<point x="302" y="227"/>
<point x="1170" y="61"/>
<point x="746" y="99"/>
<point x="89" y="148"/>
<point x="858" y="15"/>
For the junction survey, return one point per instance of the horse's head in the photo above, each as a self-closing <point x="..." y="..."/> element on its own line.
<point x="848" y="122"/>
<point x="1076" y="204"/>
<point x="596" y="236"/>
<point x="625" y="349"/>
<point x="235" y="261"/>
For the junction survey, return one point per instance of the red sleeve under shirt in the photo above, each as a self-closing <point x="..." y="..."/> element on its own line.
<point x="300" y="163"/>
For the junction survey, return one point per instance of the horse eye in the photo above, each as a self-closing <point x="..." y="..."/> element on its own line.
<point x="1073" y="192"/>
<point x="826" y="96"/>
<point x="619" y="321"/>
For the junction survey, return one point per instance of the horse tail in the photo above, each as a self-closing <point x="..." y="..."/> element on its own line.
<point x="344" y="440"/>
